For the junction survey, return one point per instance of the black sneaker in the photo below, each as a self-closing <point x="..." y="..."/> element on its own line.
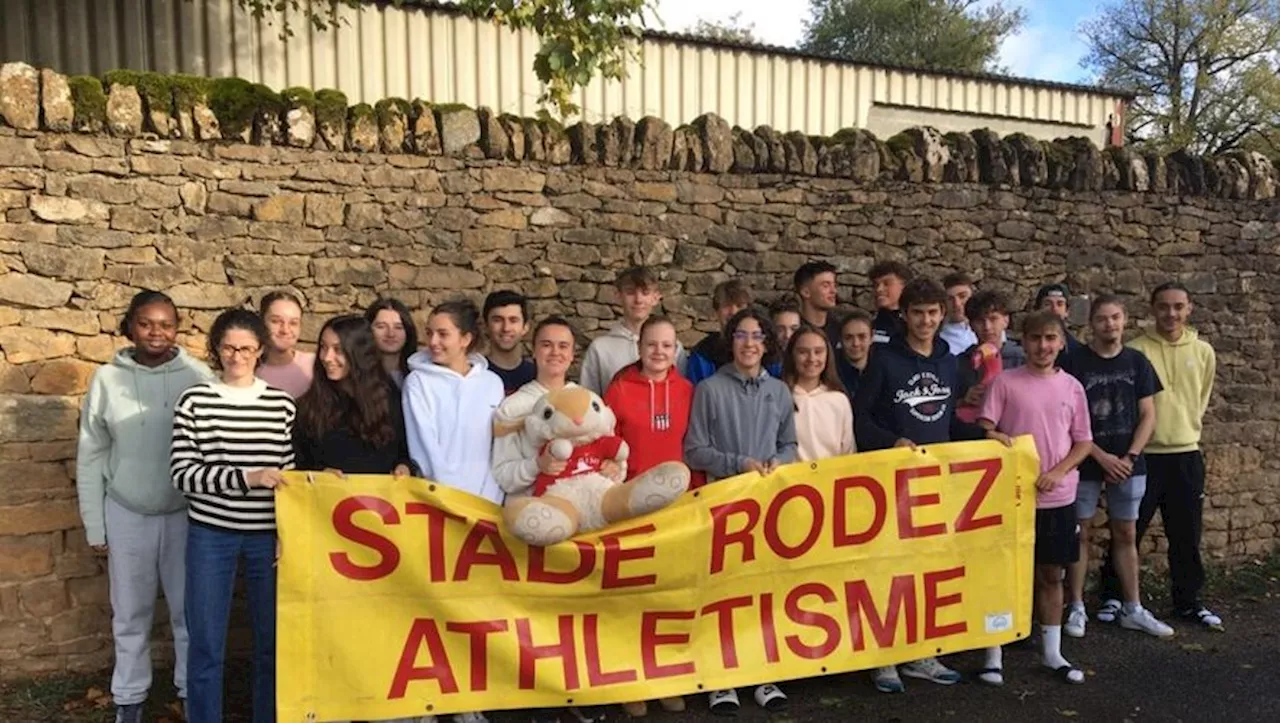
<point x="129" y="713"/>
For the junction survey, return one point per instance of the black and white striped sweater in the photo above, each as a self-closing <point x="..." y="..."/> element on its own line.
<point x="220" y="433"/>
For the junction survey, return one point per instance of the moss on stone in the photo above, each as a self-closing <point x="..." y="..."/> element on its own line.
<point x="188" y="91"/>
<point x="156" y="89"/>
<point x="451" y="107"/>
<point x="845" y="135"/>
<point x="387" y="106"/>
<point x="1057" y="152"/>
<point x="359" y="112"/>
<point x="331" y="107"/>
<point x="89" y="101"/>
<point x="298" y="98"/>
<point x="235" y="102"/>
<point x="901" y="143"/>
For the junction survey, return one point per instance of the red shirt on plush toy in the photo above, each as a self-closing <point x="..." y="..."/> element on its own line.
<point x="583" y="460"/>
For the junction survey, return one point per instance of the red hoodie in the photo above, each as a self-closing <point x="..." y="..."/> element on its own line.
<point x="652" y="418"/>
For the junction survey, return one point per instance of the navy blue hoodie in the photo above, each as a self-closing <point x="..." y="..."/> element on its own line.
<point x="903" y="394"/>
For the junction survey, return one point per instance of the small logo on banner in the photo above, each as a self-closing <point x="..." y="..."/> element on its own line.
<point x="999" y="622"/>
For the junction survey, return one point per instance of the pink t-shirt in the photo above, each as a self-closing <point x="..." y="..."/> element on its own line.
<point x="294" y="377"/>
<point x="1053" y="410"/>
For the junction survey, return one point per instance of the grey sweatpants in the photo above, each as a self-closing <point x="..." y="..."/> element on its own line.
<point x="145" y="553"/>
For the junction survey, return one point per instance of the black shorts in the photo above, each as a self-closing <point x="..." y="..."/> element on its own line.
<point x="1057" y="536"/>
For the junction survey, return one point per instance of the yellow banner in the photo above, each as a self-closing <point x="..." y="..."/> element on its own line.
<point x="402" y="597"/>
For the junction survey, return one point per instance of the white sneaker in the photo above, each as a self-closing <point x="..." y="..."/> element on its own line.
<point x="931" y="670"/>
<point x="1109" y="611"/>
<point x="887" y="680"/>
<point x="1142" y="619"/>
<point x="470" y="718"/>
<point x="1076" y="620"/>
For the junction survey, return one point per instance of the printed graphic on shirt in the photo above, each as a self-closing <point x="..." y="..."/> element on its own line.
<point x="662" y="422"/>
<point x="586" y="459"/>
<point x="926" y="396"/>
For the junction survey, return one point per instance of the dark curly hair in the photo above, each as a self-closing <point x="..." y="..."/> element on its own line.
<point x="762" y="317"/>
<point x="360" y="402"/>
<point x="236" y="319"/>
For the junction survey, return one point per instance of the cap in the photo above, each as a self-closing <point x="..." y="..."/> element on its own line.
<point x="1051" y="291"/>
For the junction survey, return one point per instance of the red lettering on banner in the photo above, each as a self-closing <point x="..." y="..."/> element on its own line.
<point x="990" y="472"/>
<point x="907" y="502"/>
<point x="538" y="571"/>
<point x="902" y="599"/>
<point x="722" y="538"/>
<point x="479" y="633"/>
<point x="530" y="654"/>
<point x="424" y="630"/>
<point x="771" y="526"/>
<point x="768" y="632"/>
<point x="597" y="677"/>
<point x="615" y="555"/>
<point x="435" y="535"/>
<point x="724" y="610"/>
<point x="650" y="639"/>
<point x="481" y="532"/>
<point x="814" y="619"/>
<point x="932" y="602"/>
<point x="345" y="526"/>
<point x="841" y="537"/>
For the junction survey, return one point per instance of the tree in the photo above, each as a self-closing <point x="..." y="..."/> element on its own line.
<point x="731" y="30"/>
<point x="580" y="38"/>
<point x="944" y="34"/>
<point x="1205" y="70"/>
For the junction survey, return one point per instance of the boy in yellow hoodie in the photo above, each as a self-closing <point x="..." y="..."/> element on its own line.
<point x="1175" y="466"/>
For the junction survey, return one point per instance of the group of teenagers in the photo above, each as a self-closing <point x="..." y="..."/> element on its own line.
<point x="178" y="463"/>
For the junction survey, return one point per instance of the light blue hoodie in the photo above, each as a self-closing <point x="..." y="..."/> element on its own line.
<point x="448" y="419"/>
<point x="126" y="425"/>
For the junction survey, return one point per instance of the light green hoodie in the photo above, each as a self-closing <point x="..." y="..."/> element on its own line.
<point x="126" y="425"/>
<point x="1186" y="368"/>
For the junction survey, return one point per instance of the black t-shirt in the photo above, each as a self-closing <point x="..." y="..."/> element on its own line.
<point x="513" y="379"/>
<point x="1113" y="387"/>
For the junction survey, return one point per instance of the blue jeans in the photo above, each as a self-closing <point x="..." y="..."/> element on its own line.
<point x="212" y="558"/>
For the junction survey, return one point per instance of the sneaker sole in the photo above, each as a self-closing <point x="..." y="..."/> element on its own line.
<point x="922" y="676"/>
<point x="1152" y="633"/>
<point x="1072" y="633"/>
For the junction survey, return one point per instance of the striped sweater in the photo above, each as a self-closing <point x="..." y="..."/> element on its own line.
<point x="220" y="433"/>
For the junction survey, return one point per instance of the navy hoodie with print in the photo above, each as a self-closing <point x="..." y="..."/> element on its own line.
<point x="903" y="394"/>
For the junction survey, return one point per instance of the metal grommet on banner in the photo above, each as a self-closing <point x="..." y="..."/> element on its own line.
<point x="311" y="479"/>
<point x="431" y="488"/>
<point x="699" y="686"/>
<point x="311" y="716"/>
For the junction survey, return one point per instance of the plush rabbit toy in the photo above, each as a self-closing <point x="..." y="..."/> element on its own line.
<point x="574" y="424"/>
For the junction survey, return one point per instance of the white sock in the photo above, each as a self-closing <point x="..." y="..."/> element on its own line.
<point x="995" y="658"/>
<point x="1051" y="646"/>
<point x="1131" y="607"/>
<point x="1078" y="605"/>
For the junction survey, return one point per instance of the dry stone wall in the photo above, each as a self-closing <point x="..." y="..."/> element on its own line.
<point x="90" y="218"/>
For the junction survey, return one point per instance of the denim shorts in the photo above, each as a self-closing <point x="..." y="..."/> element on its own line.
<point x="1123" y="499"/>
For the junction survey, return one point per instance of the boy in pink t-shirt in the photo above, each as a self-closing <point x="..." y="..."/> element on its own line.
<point x="1045" y="402"/>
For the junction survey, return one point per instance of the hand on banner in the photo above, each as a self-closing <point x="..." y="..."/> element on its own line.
<point x="755" y="465"/>
<point x="904" y="442"/>
<point x="770" y="466"/>
<point x="279" y="551"/>
<point x="269" y="478"/>
<point x="98" y="549"/>
<point x="1048" y="480"/>
<point x="1000" y="437"/>
<point x="401" y="471"/>
<point x="335" y="472"/>
<point x="548" y="464"/>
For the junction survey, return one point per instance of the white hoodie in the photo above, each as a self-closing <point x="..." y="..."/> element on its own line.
<point x="448" y="419"/>
<point x="515" y="458"/>
<point x="608" y="354"/>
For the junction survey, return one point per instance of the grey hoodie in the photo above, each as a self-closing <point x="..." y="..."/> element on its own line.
<point x="609" y="353"/>
<point x="126" y="425"/>
<point x="736" y="418"/>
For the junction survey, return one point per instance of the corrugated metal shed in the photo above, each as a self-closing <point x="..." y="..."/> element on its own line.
<point x="435" y="52"/>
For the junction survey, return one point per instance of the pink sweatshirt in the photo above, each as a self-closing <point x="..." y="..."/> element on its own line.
<point x="824" y="423"/>
<point x="294" y="377"/>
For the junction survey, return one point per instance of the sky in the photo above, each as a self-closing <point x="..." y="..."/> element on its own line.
<point x="1047" y="48"/>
